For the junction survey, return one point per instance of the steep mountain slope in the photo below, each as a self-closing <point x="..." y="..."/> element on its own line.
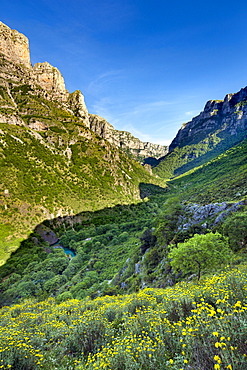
<point x="125" y="141"/>
<point x="223" y="178"/>
<point x="52" y="164"/>
<point x="221" y="125"/>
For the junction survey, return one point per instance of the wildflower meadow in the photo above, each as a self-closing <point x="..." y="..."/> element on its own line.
<point x="191" y="326"/>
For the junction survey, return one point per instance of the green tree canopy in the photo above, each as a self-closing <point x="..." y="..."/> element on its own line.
<point x="201" y="252"/>
<point x="167" y="221"/>
<point x="235" y="228"/>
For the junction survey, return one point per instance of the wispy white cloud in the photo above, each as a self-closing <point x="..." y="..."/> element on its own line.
<point x="147" y="107"/>
<point x="156" y="121"/>
<point x="146" y="137"/>
<point x="103" y="82"/>
<point x="191" y="113"/>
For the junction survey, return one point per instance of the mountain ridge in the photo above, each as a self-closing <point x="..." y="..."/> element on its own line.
<point x="15" y="47"/>
<point x="84" y="223"/>
<point x="221" y="125"/>
<point x="59" y="161"/>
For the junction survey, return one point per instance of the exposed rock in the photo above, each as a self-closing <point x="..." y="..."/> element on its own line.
<point x="233" y="208"/>
<point x="77" y="105"/>
<point x="11" y="119"/>
<point x="37" y="125"/>
<point x="45" y="80"/>
<point x="219" y="116"/>
<point x="46" y="234"/>
<point x="51" y="80"/>
<point x="124" y="140"/>
<point x="196" y="214"/>
<point x="137" y="268"/>
<point x="14" y="45"/>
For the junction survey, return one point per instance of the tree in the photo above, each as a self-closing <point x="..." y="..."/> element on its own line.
<point x="202" y="252"/>
<point x="235" y="227"/>
<point x="167" y="222"/>
<point x="148" y="240"/>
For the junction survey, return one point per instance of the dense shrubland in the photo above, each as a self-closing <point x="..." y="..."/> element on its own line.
<point x="121" y="250"/>
<point x="189" y="326"/>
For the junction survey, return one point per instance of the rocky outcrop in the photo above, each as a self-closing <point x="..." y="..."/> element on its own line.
<point x="78" y="107"/>
<point x="14" y="45"/>
<point x="208" y="214"/>
<point x="124" y="139"/>
<point x="51" y="80"/>
<point x="220" y="126"/>
<point x="220" y="117"/>
<point x="46" y="234"/>
<point x="11" y="119"/>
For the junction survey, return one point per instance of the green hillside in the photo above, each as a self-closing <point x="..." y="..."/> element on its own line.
<point x="181" y="160"/>
<point x="123" y="248"/>
<point x="220" y="179"/>
<point x="53" y="165"/>
<point x="220" y="126"/>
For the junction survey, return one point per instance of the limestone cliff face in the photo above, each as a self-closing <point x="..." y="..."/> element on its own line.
<point x="51" y="80"/>
<point x="43" y="78"/>
<point x="124" y="139"/>
<point x="220" y="126"/>
<point x="221" y="117"/>
<point x="77" y="105"/>
<point x="47" y="81"/>
<point x="14" y="45"/>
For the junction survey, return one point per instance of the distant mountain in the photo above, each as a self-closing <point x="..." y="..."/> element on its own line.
<point x="221" y="125"/>
<point x="142" y="151"/>
<point x="56" y="159"/>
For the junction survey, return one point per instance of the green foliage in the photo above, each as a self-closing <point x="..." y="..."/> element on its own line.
<point x="42" y="179"/>
<point x="167" y="222"/>
<point x="148" y="240"/>
<point x="102" y="246"/>
<point x="200" y="253"/>
<point x="197" y="326"/>
<point x="221" y="179"/>
<point x="235" y="228"/>
<point x="196" y="151"/>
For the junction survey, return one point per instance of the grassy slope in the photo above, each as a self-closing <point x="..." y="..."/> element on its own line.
<point x="207" y="142"/>
<point x="64" y="169"/>
<point x="221" y="179"/>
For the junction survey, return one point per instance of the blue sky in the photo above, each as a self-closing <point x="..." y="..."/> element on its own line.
<point x="146" y="66"/>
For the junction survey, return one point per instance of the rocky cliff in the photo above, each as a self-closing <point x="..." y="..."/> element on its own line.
<point x="221" y="125"/>
<point x="14" y="45"/>
<point x="52" y="163"/>
<point x="124" y="140"/>
<point x="220" y="117"/>
<point x="51" y="80"/>
<point x="47" y="81"/>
